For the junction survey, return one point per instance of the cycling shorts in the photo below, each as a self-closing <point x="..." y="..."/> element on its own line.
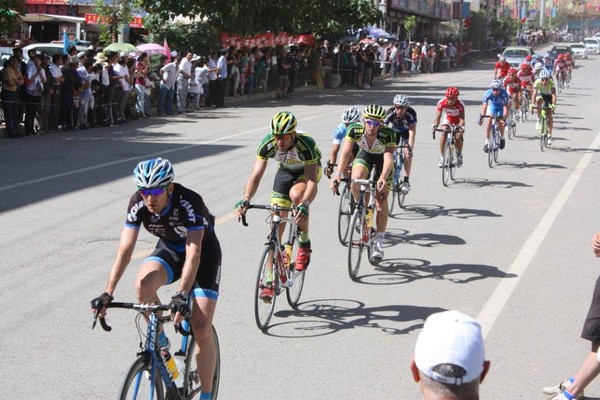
<point x="591" y="326"/>
<point x="547" y="99"/>
<point x="208" y="276"/>
<point x="284" y="180"/>
<point x="368" y="160"/>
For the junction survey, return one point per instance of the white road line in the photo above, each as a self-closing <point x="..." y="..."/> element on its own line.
<point x="495" y="304"/>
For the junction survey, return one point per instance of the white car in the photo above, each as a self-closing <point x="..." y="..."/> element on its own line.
<point x="579" y="50"/>
<point x="592" y="45"/>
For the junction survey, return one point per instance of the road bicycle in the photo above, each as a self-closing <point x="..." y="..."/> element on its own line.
<point x="543" y="130"/>
<point x="397" y="195"/>
<point x="560" y="81"/>
<point x="449" y="157"/>
<point x="361" y="234"/>
<point x="345" y="209"/>
<point x="494" y="142"/>
<point x="149" y="376"/>
<point x="277" y="268"/>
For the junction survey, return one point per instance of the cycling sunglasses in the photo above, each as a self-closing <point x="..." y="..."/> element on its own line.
<point x="152" y="191"/>
<point x="370" y="122"/>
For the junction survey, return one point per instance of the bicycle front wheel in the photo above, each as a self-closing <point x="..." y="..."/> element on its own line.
<point x="446" y="164"/>
<point x="265" y="279"/>
<point x="139" y="384"/>
<point x="191" y="377"/>
<point x="356" y="242"/>
<point x="344" y="214"/>
<point x="453" y="162"/>
<point x="396" y="180"/>
<point x="497" y="144"/>
<point x="491" y="147"/>
<point x="294" y="291"/>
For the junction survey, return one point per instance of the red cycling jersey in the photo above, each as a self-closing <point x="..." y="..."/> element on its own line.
<point x="512" y="85"/>
<point x="503" y="67"/>
<point x="453" y="112"/>
<point x="526" y="77"/>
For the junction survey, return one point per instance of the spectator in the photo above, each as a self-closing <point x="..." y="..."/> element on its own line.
<point x="86" y="77"/>
<point x="35" y="79"/>
<point x="572" y="388"/>
<point x="168" y="77"/>
<point x="449" y="360"/>
<point x="150" y="85"/>
<point x="183" y="81"/>
<point x="221" y="78"/>
<point x="103" y="113"/>
<point x="56" y="79"/>
<point x="283" y="82"/>
<point x="125" y="86"/>
<point x="46" y="100"/>
<point x="11" y="80"/>
<point x="141" y="73"/>
<point x="210" y="99"/>
<point x="416" y="59"/>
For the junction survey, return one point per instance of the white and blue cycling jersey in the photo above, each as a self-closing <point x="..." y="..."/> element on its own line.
<point x="496" y="103"/>
<point x="339" y="134"/>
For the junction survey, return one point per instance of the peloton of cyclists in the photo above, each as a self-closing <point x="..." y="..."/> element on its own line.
<point x="349" y="116"/>
<point x="454" y="117"/>
<point x="403" y="120"/>
<point x="376" y="143"/>
<point x="544" y="94"/>
<point x="495" y="104"/>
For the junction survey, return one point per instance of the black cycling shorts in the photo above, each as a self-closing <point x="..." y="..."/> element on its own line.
<point x="591" y="326"/>
<point x="284" y="180"/>
<point x="368" y="160"/>
<point x="209" y="272"/>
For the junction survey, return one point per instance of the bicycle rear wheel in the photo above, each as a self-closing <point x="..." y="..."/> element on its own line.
<point x="396" y="180"/>
<point x="294" y="291"/>
<point x="491" y="147"/>
<point x="138" y="385"/>
<point x="453" y="162"/>
<point x="191" y="377"/>
<point x="263" y="309"/>
<point x="446" y="164"/>
<point x="356" y="242"/>
<point x="497" y="144"/>
<point x="344" y="213"/>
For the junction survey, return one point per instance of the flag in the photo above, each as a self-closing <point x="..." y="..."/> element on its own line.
<point x="523" y="20"/>
<point x="65" y="42"/>
<point x="167" y="51"/>
<point x="467" y="22"/>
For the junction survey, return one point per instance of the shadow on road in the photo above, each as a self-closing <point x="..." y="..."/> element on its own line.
<point x="428" y="211"/>
<point x="523" y="165"/>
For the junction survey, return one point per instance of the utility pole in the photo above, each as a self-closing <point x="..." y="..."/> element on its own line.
<point x="542" y="13"/>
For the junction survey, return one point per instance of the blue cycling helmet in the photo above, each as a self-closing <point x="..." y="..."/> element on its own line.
<point x="153" y="173"/>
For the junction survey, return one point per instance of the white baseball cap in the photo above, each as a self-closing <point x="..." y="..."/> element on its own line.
<point x="450" y="337"/>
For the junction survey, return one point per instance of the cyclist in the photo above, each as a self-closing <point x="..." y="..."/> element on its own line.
<point x="537" y="68"/>
<point x="527" y="77"/>
<point x="376" y="143"/>
<point x="454" y="110"/>
<point x="512" y="85"/>
<point x="404" y="123"/>
<point x="544" y="92"/>
<point x="560" y="67"/>
<point x="495" y="103"/>
<point x="569" y="62"/>
<point x="349" y="116"/>
<point x="295" y="182"/>
<point x="501" y="68"/>
<point x="187" y="251"/>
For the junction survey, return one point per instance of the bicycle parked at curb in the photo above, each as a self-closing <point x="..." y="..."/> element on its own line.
<point x="361" y="234"/>
<point x="494" y="144"/>
<point x="543" y="130"/>
<point x="397" y="195"/>
<point x="450" y="157"/>
<point x="149" y="376"/>
<point x="276" y="270"/>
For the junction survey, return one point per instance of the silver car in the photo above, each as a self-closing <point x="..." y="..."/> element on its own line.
<point x="515" y="55"/>
<point x="579" y="50"/>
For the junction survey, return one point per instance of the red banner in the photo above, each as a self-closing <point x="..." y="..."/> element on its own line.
<point x="267" y="39"/>
<point x="49" y="2"/>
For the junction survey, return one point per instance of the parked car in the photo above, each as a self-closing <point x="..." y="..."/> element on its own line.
<point x="579" y="50"/>
<point x="48" y="48"/>
<point x="592" y="44"/>
<point x="559" y="49"/>
<point x="515" y="55"/>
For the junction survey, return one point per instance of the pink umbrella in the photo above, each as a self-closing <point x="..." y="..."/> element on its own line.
<point x="151" y="48"/>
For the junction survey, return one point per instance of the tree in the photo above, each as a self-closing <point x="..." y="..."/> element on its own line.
<point x="410" y="24"/>
<point x="10" y="15"/>
<point x="113" y="16"/>
<point x="196" y="37"/>
<point x="249" y="17"/>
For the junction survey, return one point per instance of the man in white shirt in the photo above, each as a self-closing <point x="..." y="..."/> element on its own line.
<point x="121" y="69"/>
<point x="221" y="78"/>
<point x="210" y="98"/>
<point x="183" y="79"/>
<point x="168" y="76"/>
<point x="57" y="80"/>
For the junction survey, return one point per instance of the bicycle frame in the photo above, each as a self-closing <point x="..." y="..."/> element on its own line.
<point x="449" y="154"/>
<point x="494" y="142"/>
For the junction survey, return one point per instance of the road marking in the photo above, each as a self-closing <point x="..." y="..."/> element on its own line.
<point x="495" y="304"/>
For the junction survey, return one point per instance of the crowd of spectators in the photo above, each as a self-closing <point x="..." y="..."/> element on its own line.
<point x="81" y="90"/>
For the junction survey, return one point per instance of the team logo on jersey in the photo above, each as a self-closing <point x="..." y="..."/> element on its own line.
<point x="154" y="219"/>
<point x="132" y="215"/>
<point x="181" y="231"/>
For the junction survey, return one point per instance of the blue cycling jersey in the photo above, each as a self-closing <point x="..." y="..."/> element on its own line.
<point x="339" y="134"/>
<point x="496" y="103"/>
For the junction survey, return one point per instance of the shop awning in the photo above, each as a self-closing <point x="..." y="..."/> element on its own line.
<point x="32" y="18"/>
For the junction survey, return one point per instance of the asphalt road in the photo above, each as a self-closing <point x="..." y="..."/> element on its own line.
<point x="509" y="246"/>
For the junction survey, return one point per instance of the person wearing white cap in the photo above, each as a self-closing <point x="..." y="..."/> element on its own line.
<point x="449" y="360"/>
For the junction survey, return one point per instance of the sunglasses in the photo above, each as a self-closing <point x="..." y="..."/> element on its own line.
<point x="373" y="123"/>
<point x="152" y="191"/>
<point x="400" y="107"/>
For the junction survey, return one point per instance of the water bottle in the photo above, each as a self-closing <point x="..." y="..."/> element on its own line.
<point x="288" y="253"/>
<point x="286" y="262"/>
<point x="180" y="364"/>
<point x="369" y="217"/>
<point x="170" y="363"/>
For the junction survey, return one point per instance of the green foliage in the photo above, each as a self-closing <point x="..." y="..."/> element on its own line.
<point x="409" y="25"/>
<point x="249" y="17"/>
<point x="10" y="15"/>
<point x="197" y="37"/>
<point x="475" y="32"/>
<point x="505" y="28"/>
<point x="113" y="15"/>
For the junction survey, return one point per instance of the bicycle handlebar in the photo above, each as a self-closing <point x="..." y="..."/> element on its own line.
<point x="406" y="146"/>
<point x="337" y="184"/>
<point x="138" y="307"/>
<point x="436" y="129"/>
<point x="272" y="207"/>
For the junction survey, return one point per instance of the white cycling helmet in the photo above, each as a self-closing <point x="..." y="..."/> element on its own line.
<point x="544" y="74"/>
<point x="496" y="84"/>
<point x="538" y="65"/>
<point x="401" y="100"/>
<point x="153" y="173"/>
<point x="351" y="115"/>
<point x="502" y="58"/>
